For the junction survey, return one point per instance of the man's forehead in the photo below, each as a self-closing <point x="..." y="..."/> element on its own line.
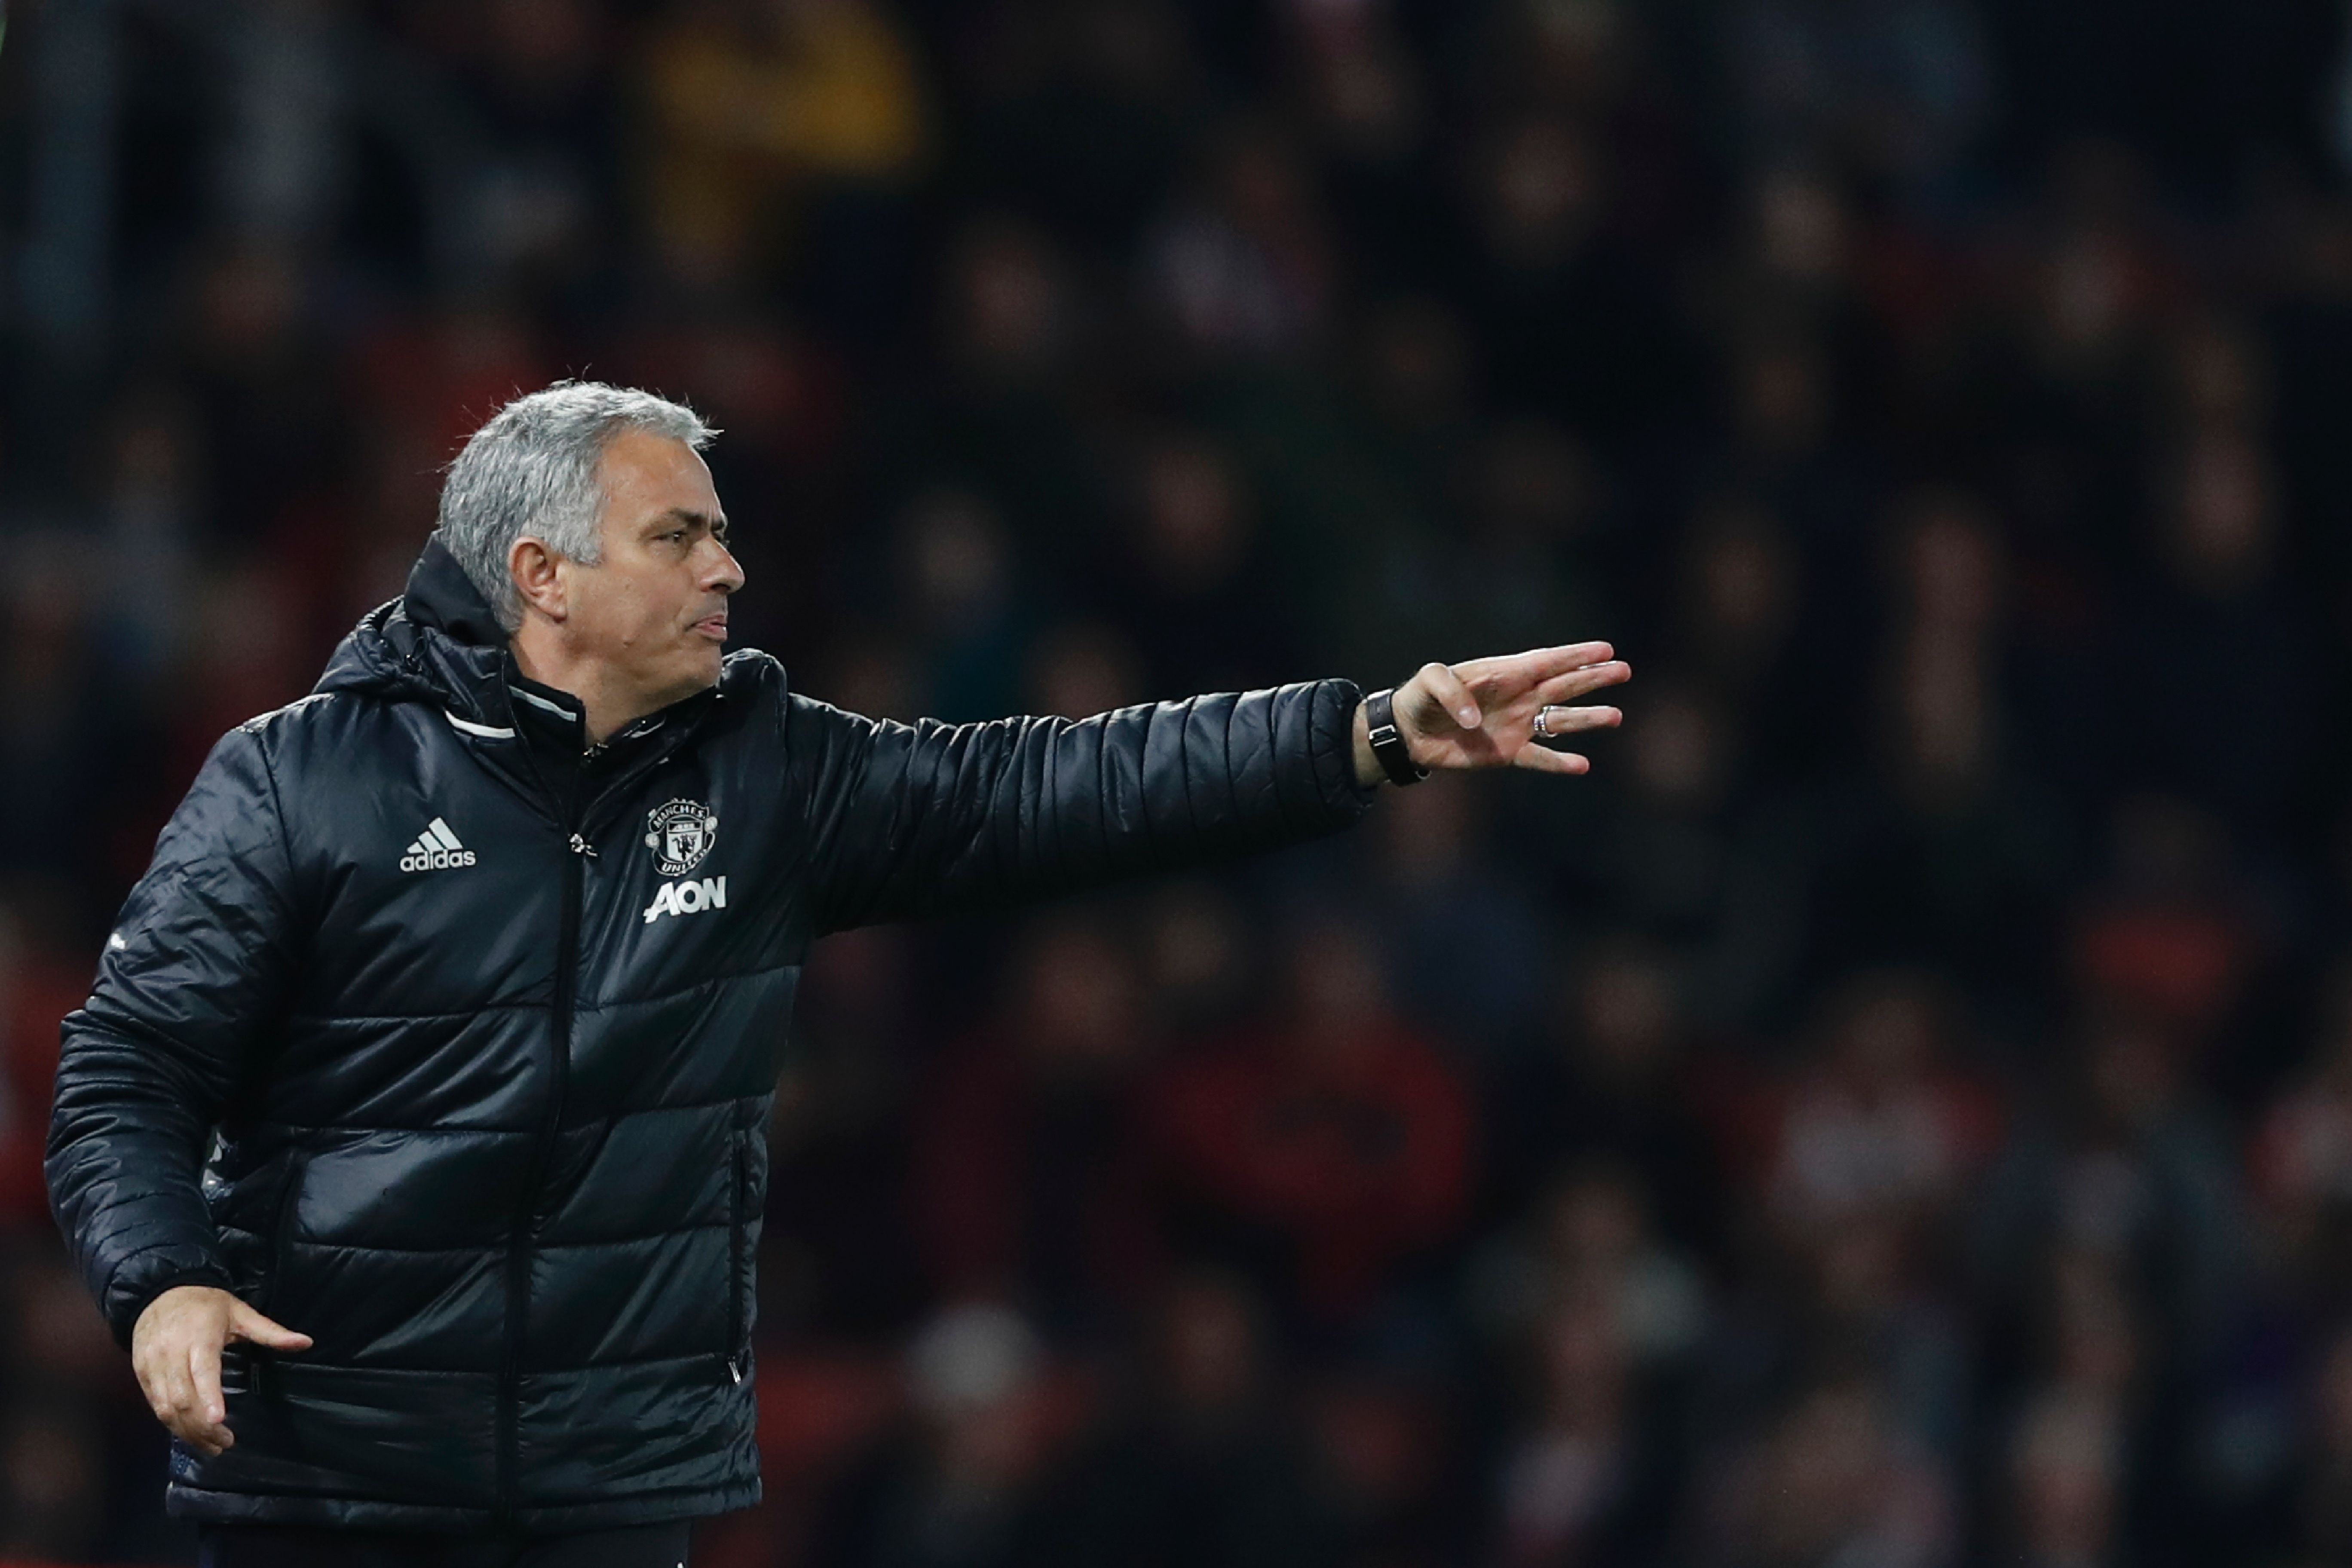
<point x="661" y="473"/>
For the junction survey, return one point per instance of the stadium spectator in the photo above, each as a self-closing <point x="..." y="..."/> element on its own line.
<point x="1326" y="1142"/>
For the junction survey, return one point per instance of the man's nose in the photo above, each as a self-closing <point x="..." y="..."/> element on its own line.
<point x="722" y="572"/>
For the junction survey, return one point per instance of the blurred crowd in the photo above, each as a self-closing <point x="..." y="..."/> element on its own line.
<point x="1896" y="1113"/>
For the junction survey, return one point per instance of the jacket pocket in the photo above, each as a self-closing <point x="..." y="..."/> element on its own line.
<point x="739" y="1247"/>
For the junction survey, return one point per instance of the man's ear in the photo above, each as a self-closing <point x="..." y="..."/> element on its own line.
<point x="538" y="577"/>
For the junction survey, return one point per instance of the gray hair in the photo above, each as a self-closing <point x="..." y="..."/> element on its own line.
<point x="531" y="469"/>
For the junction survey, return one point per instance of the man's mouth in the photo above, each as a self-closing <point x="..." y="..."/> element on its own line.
<point x="714" y="626"/>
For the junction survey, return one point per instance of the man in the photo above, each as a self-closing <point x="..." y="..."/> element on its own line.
<point x="413" y="1136"/>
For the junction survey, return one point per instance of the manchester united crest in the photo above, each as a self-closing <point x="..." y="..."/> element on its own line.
<point x="680" y="832"/>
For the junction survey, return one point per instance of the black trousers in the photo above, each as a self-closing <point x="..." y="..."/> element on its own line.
<point x="293" y="1546"/>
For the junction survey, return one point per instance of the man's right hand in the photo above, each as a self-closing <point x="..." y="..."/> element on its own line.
<point x="175" y="1349"/>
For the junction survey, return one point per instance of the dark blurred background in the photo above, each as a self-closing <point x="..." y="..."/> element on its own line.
<point x="1896" y="1113"/>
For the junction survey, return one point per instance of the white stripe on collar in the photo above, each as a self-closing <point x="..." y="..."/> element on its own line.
<point x="536" y="701"/>
<point x="486" y="732"/>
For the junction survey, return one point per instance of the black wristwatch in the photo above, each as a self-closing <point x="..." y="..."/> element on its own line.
<point x="1388" y="740"/>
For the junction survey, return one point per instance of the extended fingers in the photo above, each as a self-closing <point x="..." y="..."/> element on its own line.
<point x="1520" y="670"/>
<point x="1542" y="759"/>
<point x="1583" y="680"/>
<point x="1551" y="721"/>
<point x="1543" y="663"/>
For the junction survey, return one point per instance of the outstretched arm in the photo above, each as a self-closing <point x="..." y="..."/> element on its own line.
<point x="913" y="819"/>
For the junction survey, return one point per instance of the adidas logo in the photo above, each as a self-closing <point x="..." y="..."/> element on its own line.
<point x="436" y="849"/>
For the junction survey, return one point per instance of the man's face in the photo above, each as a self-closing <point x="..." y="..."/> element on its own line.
<point x="655" y="608"/>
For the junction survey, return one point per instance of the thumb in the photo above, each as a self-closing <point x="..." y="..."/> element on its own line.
<point x="1441" y="683"/>
<point x="245" y="1324"/>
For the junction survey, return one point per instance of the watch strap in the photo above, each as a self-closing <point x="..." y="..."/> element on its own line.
<point x="1389" y="746"/>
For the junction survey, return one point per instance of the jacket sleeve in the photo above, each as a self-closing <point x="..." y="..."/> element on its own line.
<point x="920" y="819"/>
<point x="196" y="967"/>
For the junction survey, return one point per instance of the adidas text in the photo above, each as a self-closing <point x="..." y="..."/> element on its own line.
<point x="436" y="849"/>
<point x="687" y="898"/>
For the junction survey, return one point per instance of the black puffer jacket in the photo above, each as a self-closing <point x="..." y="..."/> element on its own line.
<point x="455" y="1052"/>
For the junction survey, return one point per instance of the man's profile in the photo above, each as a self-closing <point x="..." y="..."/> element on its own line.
<point x="414" y="1134"/>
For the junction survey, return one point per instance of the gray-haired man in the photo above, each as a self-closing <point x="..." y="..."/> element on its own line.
<point x="413" y="1136"/>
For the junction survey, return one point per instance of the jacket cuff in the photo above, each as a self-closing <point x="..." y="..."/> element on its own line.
<point x="1331" y="731"/>
<point x="144" y="1276"/>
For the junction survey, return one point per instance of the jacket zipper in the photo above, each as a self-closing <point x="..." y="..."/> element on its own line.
<point x="526" y="1223"/>
<point x="738" y="1205"/>
<point x="572" y="827"/>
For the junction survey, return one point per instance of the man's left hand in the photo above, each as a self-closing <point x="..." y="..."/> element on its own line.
<point x="1510" y="711"/>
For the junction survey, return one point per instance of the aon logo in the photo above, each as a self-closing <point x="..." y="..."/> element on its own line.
<point x="687" y="898"/>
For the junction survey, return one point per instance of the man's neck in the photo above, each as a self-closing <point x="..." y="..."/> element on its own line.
<point x="606" y="704"/>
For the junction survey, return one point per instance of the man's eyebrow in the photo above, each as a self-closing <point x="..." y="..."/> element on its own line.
<point x="689" y="515"/>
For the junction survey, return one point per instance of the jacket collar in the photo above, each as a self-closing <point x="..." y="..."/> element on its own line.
<point x="437" y="644"/>
<point x="441" y="596"/>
